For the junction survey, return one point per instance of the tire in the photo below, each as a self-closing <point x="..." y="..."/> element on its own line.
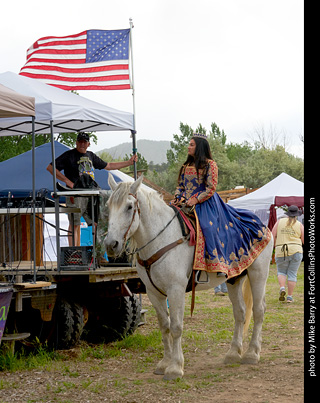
<point x="78" y="312"/>
<point x="136" y="313"/>
<point x="122" y="317"/>
<point x="65" y="325"/>
<point x="110" y="321"/>
<point x="62" y="332"/>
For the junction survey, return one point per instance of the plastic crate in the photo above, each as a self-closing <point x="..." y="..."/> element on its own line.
<point x="76" y="257"/>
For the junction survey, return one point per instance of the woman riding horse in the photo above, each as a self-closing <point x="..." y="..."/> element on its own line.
<point x="229" y="240"/>
<point x="235" y="240"/>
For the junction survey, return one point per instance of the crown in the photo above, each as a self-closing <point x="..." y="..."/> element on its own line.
<point x="201" y="135"/>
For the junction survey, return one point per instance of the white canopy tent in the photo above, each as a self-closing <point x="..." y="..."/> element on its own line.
<point x="260" y="201"/>
<point x="66" y="111"/>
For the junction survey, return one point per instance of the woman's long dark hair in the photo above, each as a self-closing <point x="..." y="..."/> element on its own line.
<point x="201" y="155"/>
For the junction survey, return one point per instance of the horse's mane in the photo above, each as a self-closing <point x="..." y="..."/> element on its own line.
<point x="119" y="195"/>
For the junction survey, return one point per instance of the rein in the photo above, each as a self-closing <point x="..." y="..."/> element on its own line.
<point x="151" y="240"/>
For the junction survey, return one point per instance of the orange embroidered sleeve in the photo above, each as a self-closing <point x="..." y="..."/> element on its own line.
<point x="179" y="192"/>
<point x="211" y="182"/>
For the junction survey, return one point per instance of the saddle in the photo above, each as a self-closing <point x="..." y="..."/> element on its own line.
<point x="187" y="221"/>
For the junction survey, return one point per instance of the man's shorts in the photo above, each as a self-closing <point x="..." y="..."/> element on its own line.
<point x="82" y="204"/>
<point x="289" y="266"/>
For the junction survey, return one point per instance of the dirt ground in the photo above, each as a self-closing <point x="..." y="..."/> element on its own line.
<point x="129" y="378"/>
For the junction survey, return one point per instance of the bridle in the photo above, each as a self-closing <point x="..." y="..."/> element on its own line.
<point x="151" y="240"/>
<point x="137" y="209"/>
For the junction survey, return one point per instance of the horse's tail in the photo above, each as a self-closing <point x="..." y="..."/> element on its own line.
<point x="247" y="296"/>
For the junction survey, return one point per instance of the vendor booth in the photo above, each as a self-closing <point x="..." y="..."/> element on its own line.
<point x="281" y="191"/>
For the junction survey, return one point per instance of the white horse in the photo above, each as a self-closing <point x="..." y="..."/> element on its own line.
<point x="140" y="215"/>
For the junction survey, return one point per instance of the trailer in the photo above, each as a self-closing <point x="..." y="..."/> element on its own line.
<point x="78" y="295"/>
<point x="63" y="301"/>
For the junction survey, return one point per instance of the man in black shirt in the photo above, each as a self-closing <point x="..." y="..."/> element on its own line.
<point x="75" y="163"/>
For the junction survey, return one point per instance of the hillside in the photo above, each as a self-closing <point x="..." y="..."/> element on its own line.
<point x="151" y="150"/>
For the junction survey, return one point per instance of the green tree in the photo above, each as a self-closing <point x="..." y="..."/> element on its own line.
<point x="10" y="146"/>
<point x="217" y="134"/>
<point x="265" y="164"/>
<point x="142" y="164"/>
<point x="250" y="165"/>
<point x="179" y="145"/>
<point x="239" y="152"/>
<point x="105" y="156"/>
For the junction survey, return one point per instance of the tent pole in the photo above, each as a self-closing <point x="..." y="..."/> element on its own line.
<point x="56" y="198"/>
<point x="34" y="202"/>
<point x="133" y="132"/>
<point x="134" y="150"/>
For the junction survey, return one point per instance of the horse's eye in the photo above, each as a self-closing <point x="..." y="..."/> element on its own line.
<point x="130" y="207"/>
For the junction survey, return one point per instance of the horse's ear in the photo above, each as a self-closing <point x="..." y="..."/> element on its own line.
<point x="135" y="186"/>
<point x="112" y="183"/>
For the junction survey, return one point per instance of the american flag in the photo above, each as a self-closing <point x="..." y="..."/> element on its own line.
<point x="91" y="60"/>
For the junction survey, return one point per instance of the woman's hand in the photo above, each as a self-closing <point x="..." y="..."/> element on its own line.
<point x="175" y="202"/>
<point x="192" y="201"/>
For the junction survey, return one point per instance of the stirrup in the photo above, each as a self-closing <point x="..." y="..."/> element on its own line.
<point x="197" y="277"/>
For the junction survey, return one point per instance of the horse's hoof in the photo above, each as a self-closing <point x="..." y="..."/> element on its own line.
<point x="171" y="376"/>
<point x="250" y="359"/>
<point x="234" y="358"/>
<point x="173" y="372"/>
<point x="161" y="367"/>
<point x="159" y="371"/>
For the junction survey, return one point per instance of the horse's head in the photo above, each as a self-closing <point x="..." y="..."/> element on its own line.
<point x="124" y="215"/>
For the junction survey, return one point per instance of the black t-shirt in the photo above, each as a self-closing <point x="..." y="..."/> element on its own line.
<point x="74" y="164"/>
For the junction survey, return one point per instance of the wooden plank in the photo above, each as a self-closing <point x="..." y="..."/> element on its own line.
<point x="10" y="339"/>
<point x="37" y="284"/>
<point x="26" y="265"/>
<point x="25" y="233"/>
<point x="15" y="336"/>
<point x="108" y="273"/>
<point x="102" y="277"/>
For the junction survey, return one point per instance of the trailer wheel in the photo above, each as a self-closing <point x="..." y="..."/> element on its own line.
<point x="136" y="313"/>
<point x="62" y="332"/>
<point x="122" y="318"/>
<point x="109" y="321"/>
<point x="78" y="312"/>
<point x="64" y="325"/>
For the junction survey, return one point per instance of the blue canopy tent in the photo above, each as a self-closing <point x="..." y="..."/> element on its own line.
<point x="16" y="172"/>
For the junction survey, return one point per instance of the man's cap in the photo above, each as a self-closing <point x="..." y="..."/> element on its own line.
<point x="83" y="136"/>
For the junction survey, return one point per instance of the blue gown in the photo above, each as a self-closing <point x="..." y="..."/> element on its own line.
<point x="228" y="239"/>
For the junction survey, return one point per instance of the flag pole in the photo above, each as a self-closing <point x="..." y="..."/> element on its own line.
<point x="133" y="132"/>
